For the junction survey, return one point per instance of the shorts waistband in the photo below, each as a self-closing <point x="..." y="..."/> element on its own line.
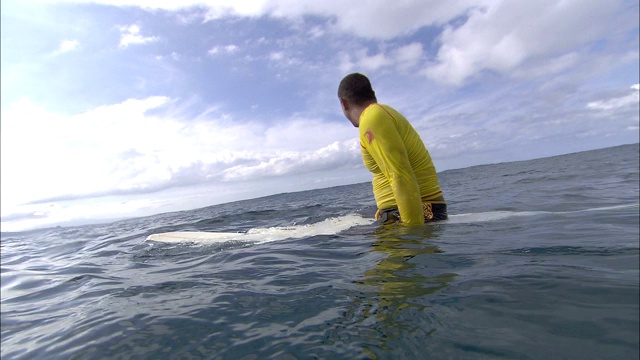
<point x="432" y="211"/>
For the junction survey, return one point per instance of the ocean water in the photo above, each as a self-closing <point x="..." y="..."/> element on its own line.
<point x="539" y="260"/>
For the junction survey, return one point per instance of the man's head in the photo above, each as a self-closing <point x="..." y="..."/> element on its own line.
<point x="356" y="89"/>
<point x="355" y="93"/>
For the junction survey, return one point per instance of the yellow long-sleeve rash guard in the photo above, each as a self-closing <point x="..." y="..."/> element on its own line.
<point x="403" y="173"/>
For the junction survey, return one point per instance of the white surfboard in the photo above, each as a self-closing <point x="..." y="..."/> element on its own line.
<point x="327" y="227"/>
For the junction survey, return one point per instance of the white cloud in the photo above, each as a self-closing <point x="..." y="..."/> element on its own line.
<point x="409" y="55"/>
<point x="227" y="49"/>
<point x="333" y="156"/>
<point x="80" y="150"/>
<point x="401" y="59"/>
<point x="504" y="35"/>
<point x="130" y="35"/>
<point x="374" y="19"/>
<point x="618" y="102"/>
<point x="370" y="19"/>
<point x="276" y="56"/>
<point x="512" y="37"/>
<point x="121" y="148"/>
<point x="67" y="46"/>
<point x="374" y="62"/>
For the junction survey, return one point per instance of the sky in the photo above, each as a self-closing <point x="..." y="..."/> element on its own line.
<point x="121" y="108"/>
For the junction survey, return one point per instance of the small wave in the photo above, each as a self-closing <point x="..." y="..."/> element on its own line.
<point x="616" y="207"/>
<point x="490" y="216"/>
<point x="500" y="215"/>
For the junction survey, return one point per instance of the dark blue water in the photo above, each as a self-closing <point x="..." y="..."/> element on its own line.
<point x="538" y="261"/>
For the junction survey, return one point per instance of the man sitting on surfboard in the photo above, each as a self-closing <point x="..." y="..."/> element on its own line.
<point x="405" y="183"/>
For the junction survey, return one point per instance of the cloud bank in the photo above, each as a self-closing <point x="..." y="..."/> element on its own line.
<point x="122" y="148"/>
<point x="478" y="35"/>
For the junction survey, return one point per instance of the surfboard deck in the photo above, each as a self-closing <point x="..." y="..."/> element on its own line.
<point x="197" y="236"/>
<point x="326" y="227"/>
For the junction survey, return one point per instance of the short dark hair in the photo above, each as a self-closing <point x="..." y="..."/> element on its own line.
<point x="356" y="89"/>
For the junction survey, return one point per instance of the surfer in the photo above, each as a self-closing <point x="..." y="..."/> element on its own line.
<point x="405" y="182"/>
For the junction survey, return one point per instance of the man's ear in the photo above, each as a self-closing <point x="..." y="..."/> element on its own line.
<point x="345" y="104"/>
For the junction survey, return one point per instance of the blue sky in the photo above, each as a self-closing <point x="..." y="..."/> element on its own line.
<point x="121" y="108"/>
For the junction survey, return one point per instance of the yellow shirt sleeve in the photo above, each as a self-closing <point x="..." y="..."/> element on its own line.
<point x="386" y="152"/>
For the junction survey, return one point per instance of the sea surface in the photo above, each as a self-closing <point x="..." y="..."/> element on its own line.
<point x="539" y="260"/>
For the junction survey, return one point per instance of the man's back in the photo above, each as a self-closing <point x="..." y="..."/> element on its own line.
<point x="391" y="148"/>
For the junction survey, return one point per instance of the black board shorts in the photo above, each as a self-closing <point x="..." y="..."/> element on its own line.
<point x="432" y="212"/>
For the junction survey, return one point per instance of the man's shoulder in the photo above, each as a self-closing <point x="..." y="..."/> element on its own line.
<point x="381" y="115"/>
<point x="374" y="113"/>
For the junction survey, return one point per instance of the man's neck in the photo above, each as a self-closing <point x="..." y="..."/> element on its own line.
<point x="361" y="108"/>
